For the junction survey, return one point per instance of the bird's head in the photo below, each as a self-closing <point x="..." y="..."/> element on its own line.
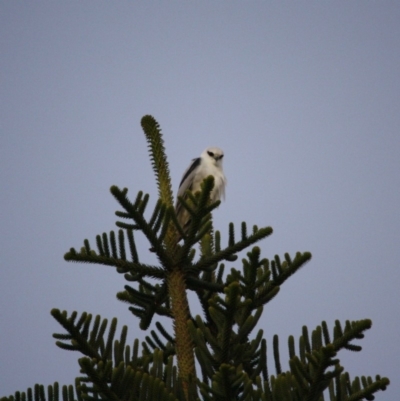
<point x="213" y="155"/>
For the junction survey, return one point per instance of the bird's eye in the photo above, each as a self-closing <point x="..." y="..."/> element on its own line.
<point x="210" y="153"/>
<point x="221" y="156"/>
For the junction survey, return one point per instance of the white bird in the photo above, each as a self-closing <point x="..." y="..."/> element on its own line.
<point x="209" y="163"/>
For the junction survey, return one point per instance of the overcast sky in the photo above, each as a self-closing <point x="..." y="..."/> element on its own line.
<point x="303" y="97"/>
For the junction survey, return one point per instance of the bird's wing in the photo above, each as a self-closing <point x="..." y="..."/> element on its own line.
<point x="186" y="182"/>
<point x="187" y="179"/>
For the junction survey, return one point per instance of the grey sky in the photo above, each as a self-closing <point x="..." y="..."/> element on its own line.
<point x="303" y="97"/>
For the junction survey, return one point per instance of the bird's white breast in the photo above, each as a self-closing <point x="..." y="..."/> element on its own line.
<point x="206" y="169"/>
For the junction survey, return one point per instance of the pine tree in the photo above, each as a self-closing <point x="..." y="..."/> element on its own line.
<point x="215" y="356"/>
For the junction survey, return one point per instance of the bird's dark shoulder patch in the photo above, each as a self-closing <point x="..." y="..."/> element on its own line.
<point x="196" y="162"/>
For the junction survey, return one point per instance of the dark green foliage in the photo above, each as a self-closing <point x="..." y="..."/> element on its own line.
<point x="232" y="358"/>
<point x="149" y="299"/>
<point x="38" y="394"/>
<point x="232" y="368"/>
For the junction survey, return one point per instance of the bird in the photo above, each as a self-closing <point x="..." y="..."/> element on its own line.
<point x="209" y="163"/>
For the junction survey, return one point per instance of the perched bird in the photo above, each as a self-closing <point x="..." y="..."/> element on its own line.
<point x="209" y="163"/>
